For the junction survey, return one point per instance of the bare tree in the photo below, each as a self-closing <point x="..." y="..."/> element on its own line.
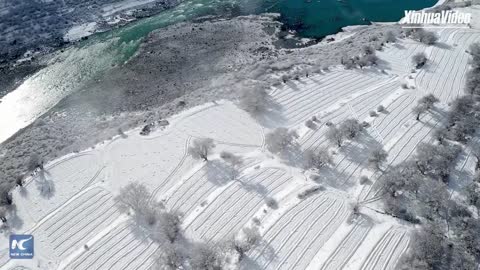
<point x="234" y="161"/>
<point x="440" y="134"/>
<point x="390" y="37"/>
<point x="475" y="147"/>
<point x="436" y="160"/>
<point x="377" y="158"/>
<point x="254" y="100"/>
<point x="418" y="110"/>
<point x="474" y="50"/>
<point x="247" y="240"/>
<point x="472" y="85"/>
<point x="350" y="128"/>
<point x="167" y="227"/>
<point x="205" y="257"/>
<point x="419" y="59"/>
<point x="364" y="180"/>
<point x="280" y="139"/>
<point x="169" y="257"/>
<point x="429" y="101"/>
<point x="5" y="194"/>
<point x="335" y="136"/>
<point x="35" y="162"/>
<point x="3" y="214"/>
<point x="201" y="148"/>
<point x="316" y="159"/>
<point x="133" y="197"/>
<point x="368" y="50"/>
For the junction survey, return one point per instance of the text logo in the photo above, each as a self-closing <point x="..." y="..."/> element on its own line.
<point x="21" y="246"/>
<point x="419" y="19"/>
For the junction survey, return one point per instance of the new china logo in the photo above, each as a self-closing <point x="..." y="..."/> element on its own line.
<point x="21" y="246"/>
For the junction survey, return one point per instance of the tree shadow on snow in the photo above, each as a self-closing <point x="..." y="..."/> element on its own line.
<point x="45" y="184"/>
<point x="459" y="177"/>
<point x="438" y="114"/>
<point x="382" y="64"/>
<point x="254" y="187"/>
<point x="443" y="45"/>
<point x="292" y="156"/>
<point x="272" y="117"/>
<point x="360" y="150"/>
<point x="267" y="255"/>
<point x="329" y="175"/>
<point x="399" y="46"/>
<point x="218" y="172"/>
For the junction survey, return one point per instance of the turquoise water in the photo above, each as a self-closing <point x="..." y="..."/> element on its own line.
<point x="310" y="18"/>
<point x="317" y="18"/>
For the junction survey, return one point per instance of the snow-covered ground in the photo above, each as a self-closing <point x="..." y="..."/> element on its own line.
<point x="78" y="226"/>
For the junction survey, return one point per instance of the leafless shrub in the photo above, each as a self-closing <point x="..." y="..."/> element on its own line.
<point x="272" y="203"/>
<point x="310" y="124"/>
<point x="309" y="192"/>
<point x="419" y="59"/>
<point x="364" y="180"/>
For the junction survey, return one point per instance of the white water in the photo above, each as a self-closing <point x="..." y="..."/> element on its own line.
<point x="64" y="74"/>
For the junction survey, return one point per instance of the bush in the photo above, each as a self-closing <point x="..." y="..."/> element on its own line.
<point x="380" y="108"/>
<point x="425" y="37"/>
<point x="34" y="162"/>
<point x="364" y="180"/>
<point x="272" y="203"/>
<point x="390" y="37"/>
<point x="367" y="50"/>
<point x="310" y="124"/>
<point x="373" y="113"/>
<point x="309" y="192"/>
<point x="419" y="59"/>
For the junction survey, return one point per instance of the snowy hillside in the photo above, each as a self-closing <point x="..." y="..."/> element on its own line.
<point x="307" y="219"/>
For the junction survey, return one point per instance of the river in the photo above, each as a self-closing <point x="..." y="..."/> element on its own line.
<point x="71" y="69"/>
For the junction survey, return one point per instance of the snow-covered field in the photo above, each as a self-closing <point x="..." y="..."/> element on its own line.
<point x="78" y="226"/>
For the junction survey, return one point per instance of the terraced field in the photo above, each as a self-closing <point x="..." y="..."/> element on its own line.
<point x="79" y="226"/>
